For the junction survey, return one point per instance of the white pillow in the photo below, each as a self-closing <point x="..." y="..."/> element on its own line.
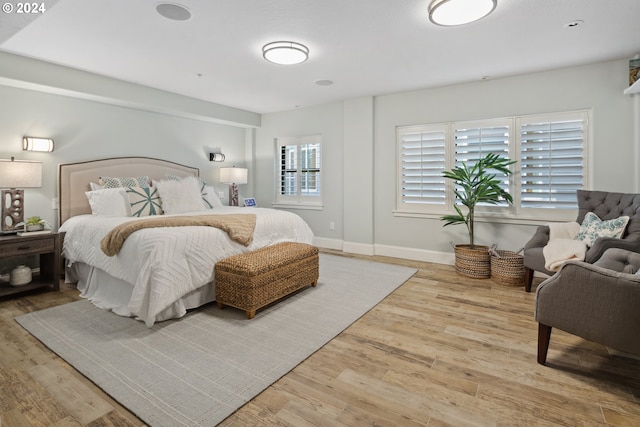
<point x="210" y="198"/>
<point x="109" y="202"/>
<point x="95" y="186"/>
<point x="180" y="196"/>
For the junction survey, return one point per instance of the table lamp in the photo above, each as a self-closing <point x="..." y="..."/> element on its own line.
<point x="15" y="175"/>
<point x="233" y="176"/>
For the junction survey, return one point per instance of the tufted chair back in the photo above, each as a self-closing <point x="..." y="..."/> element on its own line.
<point x="609" y="205"/>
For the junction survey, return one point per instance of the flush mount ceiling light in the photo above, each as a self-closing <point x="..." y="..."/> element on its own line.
<point x="459" y="12"/>
<point x="173" y="11"/>
<point x="285" y="53"/>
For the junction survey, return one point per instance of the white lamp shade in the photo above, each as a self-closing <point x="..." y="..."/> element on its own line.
<point x="459" y="12"/>
<point x="233" y="175"/>
<point x="20" y="174"/>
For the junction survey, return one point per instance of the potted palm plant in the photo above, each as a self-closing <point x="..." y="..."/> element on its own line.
<point x="473" y="185"/>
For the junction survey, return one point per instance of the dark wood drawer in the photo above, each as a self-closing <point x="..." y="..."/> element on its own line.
<point x="27" y="247"/>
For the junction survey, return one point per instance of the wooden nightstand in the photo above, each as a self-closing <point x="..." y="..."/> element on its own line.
<point x="47" y="246"/>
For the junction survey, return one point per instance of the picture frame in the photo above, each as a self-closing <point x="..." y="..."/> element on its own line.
<point x="250" y="202"/>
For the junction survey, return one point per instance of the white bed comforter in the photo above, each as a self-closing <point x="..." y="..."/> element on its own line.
<point x="165" y="264"/>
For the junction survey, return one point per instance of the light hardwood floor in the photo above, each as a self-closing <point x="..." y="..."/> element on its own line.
<point x="442" y="350"/>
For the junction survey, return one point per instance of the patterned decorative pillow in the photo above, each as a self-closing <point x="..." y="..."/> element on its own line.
<point x="144" y="201"/>
<point x="593" y="228"/>
<point x="115" y="182"/>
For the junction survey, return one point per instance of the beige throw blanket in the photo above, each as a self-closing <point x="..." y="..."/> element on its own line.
<point x="561" y="246"/>
<point x="239" y="227"/>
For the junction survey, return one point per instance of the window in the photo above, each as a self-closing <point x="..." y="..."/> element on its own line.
<point x="422" y="154"/>
<point x="551" y="161"/>
<point x="550" y="151"/>
<point x="298" y="165"/>
<point x="474" y="140"/>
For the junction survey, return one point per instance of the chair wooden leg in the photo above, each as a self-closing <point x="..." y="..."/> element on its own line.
<point x="544" y="335"/>
<point x="528" y="279"/>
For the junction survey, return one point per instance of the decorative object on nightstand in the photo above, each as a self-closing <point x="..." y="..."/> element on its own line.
<point x="233" y="176"/>
<point x="15" y="175"/>
<point x="34" y="223"/>
<point x="20" y="276"/>
<point x="250" y="202"/>
<point x="14" y="249"/>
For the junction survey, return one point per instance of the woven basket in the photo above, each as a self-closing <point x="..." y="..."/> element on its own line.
<point x="507" y="268"/>
<point x="252" y="280"/>
<point x="474" y="262"/>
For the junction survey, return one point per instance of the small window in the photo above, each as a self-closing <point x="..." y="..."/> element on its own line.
<point x="298" y="165"/>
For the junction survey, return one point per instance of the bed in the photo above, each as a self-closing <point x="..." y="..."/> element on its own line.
<point x="159" y="273"/>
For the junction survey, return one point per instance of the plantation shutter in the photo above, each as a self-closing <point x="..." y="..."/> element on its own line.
<point x="310" y="167"/>
<point x="475" y="142"/>
<point x="288" y="170"/>
<point x="422" y="162"/>
<point x="552" y="159"/>
<point x="299" y="177"/>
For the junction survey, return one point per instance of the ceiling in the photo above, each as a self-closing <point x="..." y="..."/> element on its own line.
<point x="366" y="47"/>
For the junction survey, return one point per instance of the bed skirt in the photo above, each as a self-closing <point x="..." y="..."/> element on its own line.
<point x="110" y="293"/>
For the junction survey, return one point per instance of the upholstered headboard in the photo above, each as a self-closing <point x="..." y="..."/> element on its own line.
<point x="74" y="178"/>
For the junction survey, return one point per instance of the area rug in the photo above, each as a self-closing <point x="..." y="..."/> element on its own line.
<point x="198" y="370"/>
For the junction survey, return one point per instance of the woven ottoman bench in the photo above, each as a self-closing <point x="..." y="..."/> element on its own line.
<point x="255" y="279"/>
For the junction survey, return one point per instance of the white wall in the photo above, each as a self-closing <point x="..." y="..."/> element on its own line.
<point x="325" y="120"/>
<point x="597" y="87"/>
<point x="358" y="140"/>
<point x="86" y="130"/>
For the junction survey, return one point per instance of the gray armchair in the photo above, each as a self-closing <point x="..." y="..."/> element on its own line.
<point x="607" y="206"/>
<point x="599" y="302"/>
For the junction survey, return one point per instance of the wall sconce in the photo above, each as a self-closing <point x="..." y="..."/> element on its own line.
<point x="233" y="176"/>
<point x="30" y="143"/>
<point x="14" y="174"/>
<point x="216" y="157"/>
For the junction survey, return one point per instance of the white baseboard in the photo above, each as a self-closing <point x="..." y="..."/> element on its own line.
<point x="323" y="242"/>
<point x="358" y="248"/>
<point x="392" y="251"/>
<point x="415" y="254"/>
